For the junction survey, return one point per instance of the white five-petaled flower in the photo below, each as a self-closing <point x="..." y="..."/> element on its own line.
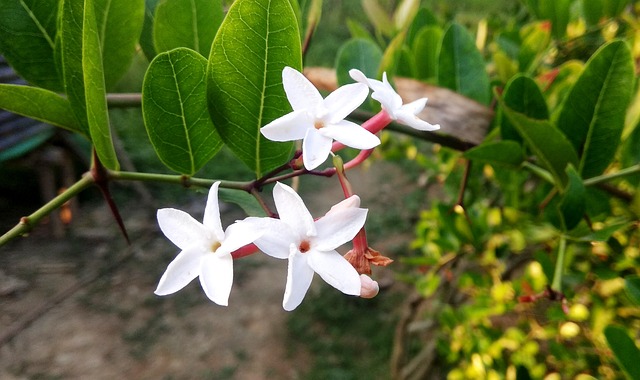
<point x="311" y="245"/>
<point x="392" y="102"/>
<point x="206" y="249"/>
<point x="319" y="121"/>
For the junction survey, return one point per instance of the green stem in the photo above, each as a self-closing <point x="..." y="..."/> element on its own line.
<point x="556" y="284"/>
<point x="635" y="169"/>
<point x="183" y="180"/>
<point x="27" y="222"/>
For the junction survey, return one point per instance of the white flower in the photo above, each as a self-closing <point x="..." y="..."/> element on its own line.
<point x="311" y="245"/>
<point x="369" y="288"/>
<point x="206" y="249"/>
<point x="319" y="121"/>
<point x="392" y="102"/>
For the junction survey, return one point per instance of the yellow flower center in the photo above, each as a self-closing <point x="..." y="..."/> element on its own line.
<point x="215" y="246"/>
<point x="319" y="124"/>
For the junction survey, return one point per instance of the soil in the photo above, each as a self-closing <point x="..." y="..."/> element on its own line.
<point x="83" y="306"/>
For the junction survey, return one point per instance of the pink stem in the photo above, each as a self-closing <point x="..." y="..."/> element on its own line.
<point x="247" y="250"/>
<point x="373" y="125"/>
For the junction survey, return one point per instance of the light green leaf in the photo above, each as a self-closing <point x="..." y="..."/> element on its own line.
<point x="593" y="114"/>
<point x="425" y="51"/>
<point x="70" y="50"/>
<point x="391" y="56"/>
<point x="624" y="349"/>
<point x="522" y="95"/>
<point x="378" y="17"/>
<point x="38" y="104"/>
<point x="361" y="54"/>
<point x="174" y="106"/>
<point x="549" y="145"/>
<point x="501" y="153"/>
<point x="95" y="93"/>
<point x="461" y="67"/>
<point x="119" y="24"/>
<point x="255" y="42"/>
<point x="186" y="23"/>
<point x="27" y="39"/>
<point x="246" y="201"/>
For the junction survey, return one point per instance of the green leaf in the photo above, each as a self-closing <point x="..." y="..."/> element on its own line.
<point x="461" y="67"/>
<point x="550" y="146"/>
<point x="95" y="93"/>
<point x="391" y="56"/>
<point x="612" y="8"/>
<point x="246" y="201"/>
<point x="70" y="50"/>
<point x="588" y="235"/>
<point x="38" y="104"/>
<point x="593" y="10"/>
<point x="557" y="12"/>
<point x="255" y="42"/>
<point x="632" y="286"/>
<point x="624" y="349"/>
<point x="533" y="47"/>
<point x="425" y="51"/>
<point x="378" y="17"/>
<point x="501" y="153"/>
<point x="360" y="54"/>
<point x="174" y="108"/>
<point x="27" y="39"/>
<point x="593" y="114"/>
<point x="404" y="13"/>
<point x="422" y="19"/>
<point x="146" y="36"/>
<point x="119" y="23"/>
<point x="522" y="95"/>
<point x="186" y="23"/>
<point x="572" y="206"/>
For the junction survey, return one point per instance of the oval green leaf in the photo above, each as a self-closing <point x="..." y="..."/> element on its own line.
<point x="255" y="42"/>
<point x="624" y="349"/>
<point x="461" y="67"/>
<point x="593" y="114"/>
<point x="425" y="51"/>
<point x="501" y="153"/>
<point x="39" y="104"/>
<point x="572" y="206"/>
<point x="632" y="287"/>
<point x="174" y="107"/>
<point x="119" y="23"/>
<point x="186" y="23"/>
<point x="522" y="95"/>
<point x="27" y="39"/>
<point x="146" y="36"/>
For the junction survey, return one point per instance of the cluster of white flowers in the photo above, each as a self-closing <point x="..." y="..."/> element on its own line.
<point x="309" y="245"/>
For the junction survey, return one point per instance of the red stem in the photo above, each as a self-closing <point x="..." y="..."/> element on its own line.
<point x="373" y="125"/>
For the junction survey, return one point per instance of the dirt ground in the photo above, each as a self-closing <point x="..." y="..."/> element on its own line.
<point x="83" y="306"/>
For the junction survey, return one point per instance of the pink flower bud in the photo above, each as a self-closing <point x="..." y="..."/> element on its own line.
<point x="368" y="287"/>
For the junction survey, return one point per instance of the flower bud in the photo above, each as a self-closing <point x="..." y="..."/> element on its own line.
<point x="368" y="287"/>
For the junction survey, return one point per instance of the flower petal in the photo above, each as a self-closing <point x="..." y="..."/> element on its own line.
<point x="180" y="272"/>
<point x="292" y="126"/>
<point x="293" y="212"/>
<point x="338" y="227"/>
<point x="352" y="201"/>
<point x="238" y="235"/>
<point x="216" y="277"/>
<point x="301" y="93"/>
<point x="211" y="218"/>
<point x="335" y="271"/>
<point x="276" y="236"/>
<point x="315" y="148"/>
<point x="299" y="277"/>
<point x="351" y="134"/>
<point x="407" y="115"/>
<point x="341" y="102"/>
<point x="181" y="228"/>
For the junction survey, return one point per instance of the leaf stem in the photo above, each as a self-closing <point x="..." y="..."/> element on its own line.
<point x="556" y="284"/>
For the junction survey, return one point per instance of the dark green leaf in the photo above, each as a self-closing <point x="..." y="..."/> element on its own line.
<point x="501" y="153"/>
<point x="613" y="8"/>
<point x="146" y="36"/>
<point x="423" y="18"/>
<point x="602" y="235"/>
<point x="406" y="66"/>
<point x="557" y="12"/>
<point x="174" y="107"/>
<point x="186" y="23"/>
<point x="593" y="11"/>
<point x="255" y="42"/>
<point x="549" y="145"/>
<point x="522" y="95"/>
<point x="631" y="153"/>
<point x="632" y="286"/>
<point x="360" y="54"/>
<point x="27" y="38"/>
<point x="461" y="67"/>
<point x="119" y="24"/>
<point x="95" y="93"/>
<point x="425" y="51"/>
<point x="624" y="349"/>
<point x="38" y="104"/>
<point x="592" y="117"/>
<point x="572" y="206"/>
<point x="391" y="56"/>
<point x="246" y="201"/>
